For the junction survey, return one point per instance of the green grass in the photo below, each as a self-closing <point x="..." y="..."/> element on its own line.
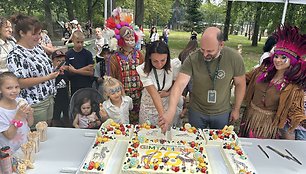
<point x="178" y="40"/>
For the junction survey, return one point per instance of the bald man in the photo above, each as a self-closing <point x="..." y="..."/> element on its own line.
<point x="213" y="67"/>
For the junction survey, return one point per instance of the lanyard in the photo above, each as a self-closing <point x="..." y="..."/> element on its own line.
<point x="157" y="81"/>
<point x="213" y="76"/>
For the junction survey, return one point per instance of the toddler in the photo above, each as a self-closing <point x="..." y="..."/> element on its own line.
<point x="16" y="115"/>
<point x="85" y="118"/>
<point x="117" y="104"/>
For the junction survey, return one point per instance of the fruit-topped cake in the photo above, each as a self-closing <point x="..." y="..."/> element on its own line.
<point x="162" y="156"/>
<point x="97" y="158"/>
<point x="149" y="131"/>
<point x="186" y="133"/>
<point x="115" y="130"/>
<point x="236" y="159"/>
<point x="218" y="137"/>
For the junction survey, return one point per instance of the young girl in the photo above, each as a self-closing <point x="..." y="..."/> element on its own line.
<point x="117" y="105"/>
<point x="85" y="118"/>
<point x="15" y="114"/>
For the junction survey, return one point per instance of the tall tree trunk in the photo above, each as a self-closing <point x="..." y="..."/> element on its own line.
<point x="257" y="24"/>
<point x="114" y="4"/>
<point x="48" y="17"/>
<point x="69" y="8"/>
<point x="139" y="9"/>
<point x="109" y="10"/>
<point x="227" y="20"/>
<point x="89" y="10"/>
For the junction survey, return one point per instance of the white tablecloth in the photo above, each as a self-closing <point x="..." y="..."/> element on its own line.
<point x="67" y="147"/>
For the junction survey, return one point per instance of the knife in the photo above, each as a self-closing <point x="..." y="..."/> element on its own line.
<point x="295" y="159"/>
<point x="280" y="153"/>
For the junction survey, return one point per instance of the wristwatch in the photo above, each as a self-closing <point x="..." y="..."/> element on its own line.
<point x="16" y="123"/>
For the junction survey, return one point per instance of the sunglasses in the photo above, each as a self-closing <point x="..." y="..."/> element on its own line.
<point x="115" y="90"/>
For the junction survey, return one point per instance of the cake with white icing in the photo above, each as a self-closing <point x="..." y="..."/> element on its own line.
<point x="186" y="133"/>
<point x="115" y="130"/>
<point x="236" y="159"/>
<point x="149" y="131"/>
<point x="161" y="156"/>
<point x="219" y="136"/>
<point x="96" y="160"/>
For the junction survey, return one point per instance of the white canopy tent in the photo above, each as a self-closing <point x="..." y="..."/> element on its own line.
<point x="278" y="1"/>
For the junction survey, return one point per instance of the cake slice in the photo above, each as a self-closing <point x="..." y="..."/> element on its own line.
<point x="186" y="133"/>
<point x="236" y="159"/>
<point x="96" y="160"/>
<point x="218" y="137"/>
<point x="115" y="130"/>
<point x="149" y="131"/>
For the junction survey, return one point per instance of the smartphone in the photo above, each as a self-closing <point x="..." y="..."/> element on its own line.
<point x="59" y="66"/>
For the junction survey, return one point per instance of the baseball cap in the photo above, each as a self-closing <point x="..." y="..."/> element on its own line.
<point x="57" y="53"/>
<point x="74" y="21"/>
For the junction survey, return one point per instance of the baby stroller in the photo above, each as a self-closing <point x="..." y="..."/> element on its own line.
<point x="91" y="93"/>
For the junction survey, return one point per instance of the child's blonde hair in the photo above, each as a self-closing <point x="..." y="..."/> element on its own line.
<point x="78" y="35"/>
<point x="108" y="83"/>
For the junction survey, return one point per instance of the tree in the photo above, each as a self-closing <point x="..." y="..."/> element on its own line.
<point x="193" y="15"/>
<point x="178" y="12"/>
<point x="69" y="8"/>
<point x="139" y="12"/>
<point x="48" y="17"/>
<point x="227" y="20"/>
<point x="257" y="24"/>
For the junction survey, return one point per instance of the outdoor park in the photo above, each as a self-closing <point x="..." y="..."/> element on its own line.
<point x="245" y="22"/>
<point x="120" y="90"/>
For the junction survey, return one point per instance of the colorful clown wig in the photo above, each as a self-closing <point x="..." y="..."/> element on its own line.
<point x="120" y="23"/>
<point x="292" y="44"/>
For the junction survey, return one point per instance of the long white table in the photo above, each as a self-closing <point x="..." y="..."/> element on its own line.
<point x="66" y="147"/>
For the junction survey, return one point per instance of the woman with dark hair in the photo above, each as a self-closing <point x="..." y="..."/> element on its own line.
<point x="154" y="34"/>
<point x="30" y="63"/>
<point x="6" y="41"/>
<point x="275" y="92"/>
<point x="157" y="75"/>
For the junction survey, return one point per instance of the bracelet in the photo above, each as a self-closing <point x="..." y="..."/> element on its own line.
<point x="16" y="123"/>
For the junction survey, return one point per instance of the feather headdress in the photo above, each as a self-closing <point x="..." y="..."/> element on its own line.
<point x="292" y="44"/>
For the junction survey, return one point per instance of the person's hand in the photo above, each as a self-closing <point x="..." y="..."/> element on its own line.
<point x="23" y="111"/>
<point x="164" y="122"/>
<point x="64" y="68"/>
<point x="53" y="75"/>
<point x="234" y="115"/>
<point x="91" y="125"/>
<point x="163" y="94"/>
<point x="102" y="112"/>
<point x="71" y="68"/>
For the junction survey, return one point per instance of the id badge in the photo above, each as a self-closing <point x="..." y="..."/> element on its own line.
<point x="212" y="96"/>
